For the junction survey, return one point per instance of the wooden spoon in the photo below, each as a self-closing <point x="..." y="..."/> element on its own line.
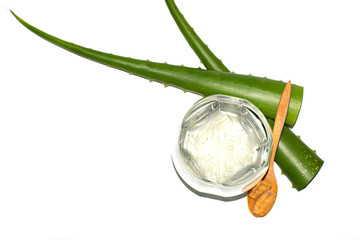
<point x="261" y="198"/>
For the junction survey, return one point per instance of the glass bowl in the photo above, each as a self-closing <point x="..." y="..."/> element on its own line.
<point x="223" y="147"/>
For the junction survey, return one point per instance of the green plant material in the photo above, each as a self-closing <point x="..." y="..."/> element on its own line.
<point x="263" y="92"/>
<point x="210" y="61"/>
<point x="296" y="160"/>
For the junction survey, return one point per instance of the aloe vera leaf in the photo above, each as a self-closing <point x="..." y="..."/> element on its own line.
<point x="210" y="61"/>
<point x="296" y="160"/>
<point x="263" y="92"/>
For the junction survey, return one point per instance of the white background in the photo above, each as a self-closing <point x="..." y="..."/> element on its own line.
<point x="85" y="149"/>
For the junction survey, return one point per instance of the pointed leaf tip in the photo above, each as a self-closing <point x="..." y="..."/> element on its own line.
<point x="13" y="13"/>
<point x="16" y="16"/>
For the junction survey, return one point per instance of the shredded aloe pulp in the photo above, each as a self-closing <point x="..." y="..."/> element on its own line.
<point x="222" y="147"/>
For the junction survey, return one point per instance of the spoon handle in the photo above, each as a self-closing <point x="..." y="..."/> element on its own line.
<point x="280" y="117"/>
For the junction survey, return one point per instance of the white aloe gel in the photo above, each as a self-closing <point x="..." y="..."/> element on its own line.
<point x="224" y="144"/>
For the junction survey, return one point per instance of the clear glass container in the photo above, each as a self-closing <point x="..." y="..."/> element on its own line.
<point x="223" y="147"/>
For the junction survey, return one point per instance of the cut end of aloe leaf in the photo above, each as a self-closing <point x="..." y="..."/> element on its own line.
<point x="298" y="107"/>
